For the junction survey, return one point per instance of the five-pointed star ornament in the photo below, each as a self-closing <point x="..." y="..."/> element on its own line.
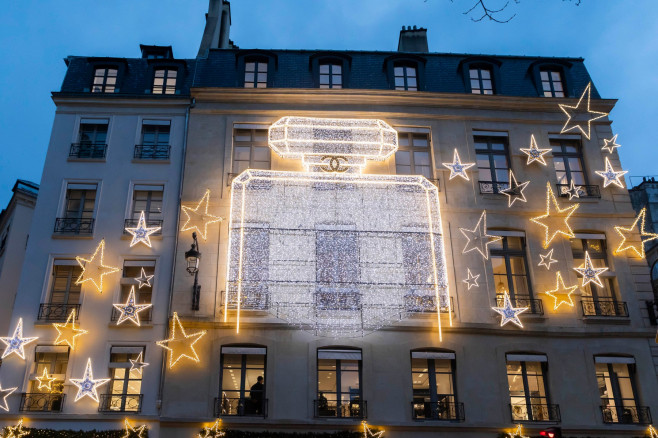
<point x="180" y="344"/>
<point x="645" y="236"/>
<point x="66" y="333"/>
<point x="130" y="310"/>
<point x="4" y="393"/>
<point x="610" y="176"/>
<point x="133" y="432"/>
<point x="212" y="431"/>
<point x="547" y="260"/>
<point x="367" y="433"/>
<point x="471" y="280"/>
<point x="573" y="191"/>
<point x="143" y="279"/>
<point x="561" y="294"/>
<point x="16" y="343"/>
<point x="199" y="215"/>
<point x="87" y="386"/>
<point x="652" y="432"/>
<point x="517" y="433"/>
<point x="589" y="272"/>
<point x="457" y="168"/>
<point x="534" y="153"/>
<point x="508" y="312"/>
<point x="478" y="239"/>
<point x="16" y="431"/>
<point x="556" y="220"/>
<point x="141" y="233"/>
<point x="46" y="381"/>
<point x="93" y="269"/>
<point x="581" y="116"/>
<point x="138" y="364"/>
<point x="610" y="144"/>
<point x="515" y="190"/>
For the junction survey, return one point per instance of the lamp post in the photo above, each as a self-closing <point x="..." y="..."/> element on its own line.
<point x="192" y="257"/>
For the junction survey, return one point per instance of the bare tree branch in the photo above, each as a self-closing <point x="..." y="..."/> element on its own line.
<point x="492" y="14"/>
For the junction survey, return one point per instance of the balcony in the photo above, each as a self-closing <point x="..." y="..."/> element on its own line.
<point x="604" y="308"/>
<point x="74" y="225"/>
<point x="535" y="306"/>
<point x="41" y="402"/>
<point x="119" y="403"/>
<point x="535" y="413"/>
<point x="340" y="409"/>
<point x="586" y="191"/>
<point x="491" y="187"/>
<point x="240" y="407"/>
<point x="626" y="413"/>
<point x="152" y="152"/>
<point x="88" y="151"/>
<point x="144" y="316"/>
<point x="438" y="411"/>
<point x="132" y="223"/>
<point x="57" y="312"/>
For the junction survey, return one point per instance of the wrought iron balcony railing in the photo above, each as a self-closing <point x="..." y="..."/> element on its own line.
<point x="624" y="411"/>
<point x="87" y="150"/>
<point x="240" y="407"/>
<point x="340" y="409"/>
<point x="41" y="402"/>
<point x="440" y="411"/>
<point x="492" y="187"/>
<point x="144" y="316"/>
<point x="57" y="312"/>
<point x="535" y="306"/>
<point x="585" y="191"/>
<point x="132" y="223"/>
<point x="152" y="151"/>
<point x="535" y="412"/>
<point x="118" y="403"/>
<point x="610" y="308"/>
<point x="74" y="225"/>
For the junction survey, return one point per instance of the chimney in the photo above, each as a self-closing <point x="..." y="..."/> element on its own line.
<point x="218" y="25"/>
<point x="413" y="40"/>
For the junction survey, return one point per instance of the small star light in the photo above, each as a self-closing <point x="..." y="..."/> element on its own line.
<point x="534" y="153"/>
<point x="611" y="144"/>
<point x="571" y="111"/>
<point x="556" y="220"/>
<point x="16" y="344"/>
<point x="367" y="433"/>
<point x="66" y="333"/>
<point x="141" y="233"/>
<point x="515" y="190"/>
<point x="180" y="344"/>
<point x="652" y="432"/>
<point x="457" y="168"/>
<point x="143" y="279"/>
<point x="517" y="433"/>
<point x="94" y="270"/>
<point x="87" y="385"/>
<point x="138" y="364"/>
<point x="561" y="294"/>
<point x="509" y="313"/>
<point x="16" y="431"/>
<point x="4" y="393"/>
<point x="212" y="431"/>
<point x="645" y="236"/>
<point x="133" y="432"/>
<point x="610" y="176"/>
<point x="547" y="260"/>
<point x="46" y="381"/>
<point x="130" y="310"/>
<point x="471" y="280"/>
<point x="573" y="191"/>
<point x="478" y="239"/>
<point x="589" y="272"/>
<point x="199" y="214"/>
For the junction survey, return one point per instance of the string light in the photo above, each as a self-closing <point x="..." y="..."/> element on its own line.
<point x="645" y="236"/>
<point x="367" y="433"/>
<point x="133" y="432"/>
<point x="46" y="381"/>
<point x="66" y="333"/>
<point x="534" y="153"/>
<point x="610" y="176"/>
<point x="143" y="279"/>
<point x="573" y="191"/>
<point x="212" y="431"/>
<point x="130" y="310"/>
<point x="515" y="190"/>
<point x="457" y="168"/>
<point x="611" y="144"/>
<point x="141" y="233"/>
<point x="471" y="280"/>
<point x="138" y="364"/>
<point x="509" y="313"/>
<point x="16" y="431"/>
<point x="547" y="260"/>
<point x="555" y="214"/>
<point x="87" y="386"/>
<point x="561" y="294"/>
<point x="199" y="214"/>
<point x="571" y="111"/>
<point x="93" y="269"/>
<point x="478" y="239"/>
<point x="652" y="432"/>
<point x="516" y="433"/>
<point x="180" y="345"/>
<point x="16" y="343"/>
<point x="4" y="393"/>
<point x="589" y="272"/>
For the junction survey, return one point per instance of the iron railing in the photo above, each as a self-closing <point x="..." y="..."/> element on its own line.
<point x="87" y="150"/>
<point x="111" y="403"/>
<point x="440" y="411"/>
<point x="624" y="411"/>
<point x="152" y="151"/>
<point x="150" y="223"/>
<point x="493" y="187"/>
<point x="41" y="402"/>
<point x="585" y="191"/>
<point x="534" y="305"/>
<point x="74" y="225"/>
<point x="240" y="407"/>
<point x="535" y="412"/>
<point x="340" y="409"/>
<point x="144" y="316"/>
<point x="610" y="308"/>
<point x="57" y="312"/>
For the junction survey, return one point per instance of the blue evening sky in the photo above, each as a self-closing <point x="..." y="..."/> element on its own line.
<point x="617" y="38"/>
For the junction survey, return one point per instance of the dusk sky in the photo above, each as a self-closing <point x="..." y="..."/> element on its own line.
<point x="618" y="39"/>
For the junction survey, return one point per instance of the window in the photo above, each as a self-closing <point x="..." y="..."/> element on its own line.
<point x="92" y="140"/>
<point x="105" y="80"/>
<point x="53" y="360"/>
<point x="510" y="270"/>
<point x="405" y="77"/>
<point x="250" y="150"/>
<point x="413" y="154"/>
<point x="155" y="140"/>
<point x="64" y="291"/>
<point x="164" y="81"/>
<point x="528" y="388"/>
<point x="551" y="82"/>
<point x="433" y="379"/>
<point x="136" y="275"/>
<point x="337" y="271"/>
<point x="568" y="160"/>
<point x="126" y="384"/>
<point x="243" y="382"/>
<point x="331" y="76"/>
<point x="616" y="381"/>
<point x="481" y="80"/>
<point x="255" y="74"/>
<point x="147" y="199"/>
<point x="493" y="163"/>
<point x="339" y="384"/>
<point x="79" y="207"/>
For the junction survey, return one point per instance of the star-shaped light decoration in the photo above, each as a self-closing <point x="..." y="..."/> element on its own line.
<point x="547" y="260"/>
<point x="515" y="190"/>
<point x="141" y="233"/>
<point x="471" y="280"/>
<point x="367" y="433"/>
<point x="133" y="432"/>
<point x="16" y="343"/>
<point x="180" y="344"/>
<point x="478" y="239"/>
<point x="130" y="310"/>
<point x="87" y="386"/>
<point x="516" y="433"/>
<point x="457" y="168"/>
<point x="508" y="312"/>
<point x="573" y="191"/>
<point x="652" y="432"/>
<point x="4" y="393"/>
<point x="199" y="215"/>
<point x="610" y="144"/>
<point x="610" y="176"/>
<point x="561" y="294"/>
<point x="16" y="431"/>
<point x="589" y="272"/>
<point x="212" y="431"/>
<point x="556" y="220"/>
<point x="66" y="333"/>
<point x="645" y="236"/>
<point x="581" y="108"/>
<point x="93" y="269"/>
<point x="46" y="381"/>
<point x="534" y="153"/>
<point x="143" y="279"/>
<point x="138" y="364"/>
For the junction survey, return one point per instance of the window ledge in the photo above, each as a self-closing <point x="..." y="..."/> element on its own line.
<point x="86" y="160"/>
<point x="72" y="236"/>
<point x="619" y="320"/>
<point x="150" y="161"/>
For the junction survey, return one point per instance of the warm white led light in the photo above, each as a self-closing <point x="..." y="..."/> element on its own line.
<point x="547" y="260"/>
<point x="610" y="144"/>
<point x="130" y="310"/>
<point x="471" y="280"/>
<point x="4" y="393"/>
<point x="457" y="168"/>
<point x="581" y="116"/>
<point x="610" y="175"/>
<point x="87" y="386"/>
<point x="141" y="233"/>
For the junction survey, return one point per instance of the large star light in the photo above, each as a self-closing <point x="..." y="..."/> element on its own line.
<point x="478" y="239"/>
<point x="66" y="333"/>
<point x="198" y="217"/>
<point x="16" y="343"/>
<point x="515" y="190"/>
<point x="133" y="432"/>
<point x="367" y="433"/>
<point x="457" y="168"/>
<point x="93" y="269"/>
<point x="471" y="280"/>
<point x="589" y="272"/>
<point x="46" y="381"/>
<point x="582" y="112"/>
<point x="561" y="294"/>
<point x="556" y="219"/>
<point x="610" y="144"/>
<point x="138" y="364"/>
<point x="4" y="393"/>
<point x="547" y="260"/>
<point x="508" y="312"/>
<point x="130" y="310"/>
<point x="573" y="190"/>
<point x="87" y="386"/>
<point x="143" y="279"/>
<point x="645" y="236"/>
<point x="610" y="176"/>
<point x="212" y="431"/>
<point x="534" y="153"/>
<point x="16" y="431"/>
<point x="141" y="233"/>
<point x="180" y="344"/>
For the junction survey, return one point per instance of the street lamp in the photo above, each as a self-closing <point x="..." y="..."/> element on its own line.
<point x="192" y="257"/>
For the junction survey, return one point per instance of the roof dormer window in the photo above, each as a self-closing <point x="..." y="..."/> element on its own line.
<point x="255" y="73"/>
<point x="105" y="80"/>
<point x="164" y="81"/>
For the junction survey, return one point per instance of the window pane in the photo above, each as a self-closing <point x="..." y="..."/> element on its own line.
<point x="262" y="67"/>
<point x="420" y="140"/>
<point x="486" y="74"/>
<point x="421" y="158"/>
<point x="250" y="67"/>
<point x="402" y="158"/>
<point x="242" y="153"/>
<point x="411" y="71"/>
<point x="399" y="71"/>
<point x="324" y="68"/>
